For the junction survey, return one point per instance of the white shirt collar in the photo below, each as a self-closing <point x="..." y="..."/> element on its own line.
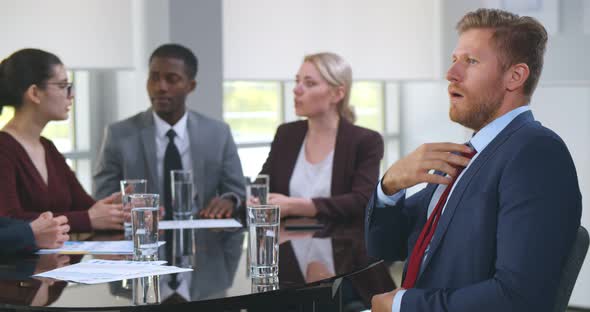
<point x="162" y="127"/>
<point x="484" y="136"/>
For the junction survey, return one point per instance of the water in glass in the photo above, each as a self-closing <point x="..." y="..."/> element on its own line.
<point x="145" y="232"/>
<point x="182" y="200"/>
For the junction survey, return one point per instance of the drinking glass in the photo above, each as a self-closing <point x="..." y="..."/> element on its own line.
<point x="144" y="225"/>
<point x="146" y="290"/>
<point x="264" y="240"/>
<point x="182" y="194"/>
<point x="128" y="187"/>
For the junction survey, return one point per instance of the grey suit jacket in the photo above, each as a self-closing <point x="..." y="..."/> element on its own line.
<point x="128" y="151"/>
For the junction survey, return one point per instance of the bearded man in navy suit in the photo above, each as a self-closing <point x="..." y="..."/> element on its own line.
<point x="492" y="229"/>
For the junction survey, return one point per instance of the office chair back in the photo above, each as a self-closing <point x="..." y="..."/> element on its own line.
<point x="571" y="269"/>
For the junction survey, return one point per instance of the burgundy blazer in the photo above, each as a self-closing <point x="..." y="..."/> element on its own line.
<point x="357" y="155"/>
<point x="24" y="195"/>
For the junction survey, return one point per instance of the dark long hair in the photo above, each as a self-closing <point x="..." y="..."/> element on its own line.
<point x="22" y="69"/>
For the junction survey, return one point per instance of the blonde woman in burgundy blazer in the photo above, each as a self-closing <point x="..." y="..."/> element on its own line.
<point x="357" y="155"/>
<point x="322" y="95"/>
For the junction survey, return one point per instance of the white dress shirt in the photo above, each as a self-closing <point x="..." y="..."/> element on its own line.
<point x="311" y="180"/>
<point x="313" y="249"/>
<point x="181" y="140"/>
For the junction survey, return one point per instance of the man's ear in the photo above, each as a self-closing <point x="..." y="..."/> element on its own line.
<point x="517" y="76"/>
<point x="192" y="85"/>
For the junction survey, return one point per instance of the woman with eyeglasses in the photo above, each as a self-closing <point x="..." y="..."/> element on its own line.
<point x="35" y="177"/>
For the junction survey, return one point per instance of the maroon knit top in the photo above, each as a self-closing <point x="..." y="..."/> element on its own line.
<point x="24" y="194"/>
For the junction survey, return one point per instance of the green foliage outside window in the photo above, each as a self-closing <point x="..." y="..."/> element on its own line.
<point x="252" y="109"/>
<point x="366" y="98"/>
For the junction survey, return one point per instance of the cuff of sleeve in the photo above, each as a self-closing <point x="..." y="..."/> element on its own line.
<point x="79" y="221"/>
<point x="397" y="301"/>
<point x="233" y="197"/>
<point x="385" y="200"/>
<point x="29" y="239"/>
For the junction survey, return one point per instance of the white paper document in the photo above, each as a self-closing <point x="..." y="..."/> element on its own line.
<point x="124" y="247"/>
<point x="199" y="224"/>
<point x="103" y="271"/>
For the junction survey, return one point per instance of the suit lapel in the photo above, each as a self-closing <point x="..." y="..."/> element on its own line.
<point x="288" y="155"/>
<point x="197" y="147"/>
<point x="455" y="198"/>
<point x="148" y="140"/>
<point x="341" y="154"/>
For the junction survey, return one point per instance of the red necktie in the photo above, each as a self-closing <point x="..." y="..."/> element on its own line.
<point x="427" y="233"/>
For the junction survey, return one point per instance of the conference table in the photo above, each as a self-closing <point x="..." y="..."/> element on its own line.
<point x="321" y="268"/>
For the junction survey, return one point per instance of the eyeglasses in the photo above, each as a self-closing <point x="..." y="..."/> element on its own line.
<point x="69" y="86"/>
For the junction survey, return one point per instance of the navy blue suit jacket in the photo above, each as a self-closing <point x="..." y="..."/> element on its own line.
<point x="15" y="236"/>
<point x="501" y="242"/>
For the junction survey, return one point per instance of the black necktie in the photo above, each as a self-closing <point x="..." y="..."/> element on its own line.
<point x="172" y="161"/>
<point x="173" y="283"/>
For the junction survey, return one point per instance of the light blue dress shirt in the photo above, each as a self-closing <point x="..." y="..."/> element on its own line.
<point x="479" y="141"/>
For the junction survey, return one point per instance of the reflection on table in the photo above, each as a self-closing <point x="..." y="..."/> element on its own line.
<point x="335" y="250"/>
<point x="213" y="255"/>
<point x="19" y="288"/>
<point x="310" y="264"/>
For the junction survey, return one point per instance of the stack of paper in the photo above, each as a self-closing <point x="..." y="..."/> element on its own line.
<point x="103" y="271"/>
<point x="95" y="248"/>
<point x="199" y="224"/>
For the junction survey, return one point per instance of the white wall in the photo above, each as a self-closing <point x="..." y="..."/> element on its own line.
<point x="198" y="26"/>
<point x="567" y="48"/>
<point x="382" y="39"/>
<point x="150" y="28"/>
<point x="84" y="34"/>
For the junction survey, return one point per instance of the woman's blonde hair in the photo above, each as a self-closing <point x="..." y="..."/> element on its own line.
<point x="337" y="72"/>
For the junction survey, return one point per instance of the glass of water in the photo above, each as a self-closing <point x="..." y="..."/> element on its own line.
<point x="144" y="225"/>
<point x="264" y="284"/>
<point x="263" y="226"/>
<point x="128" y="187"/>
<point x="257" y="194"/>
<point x="262" y="179"/>
<point x="146" y="290"/>
<point x="182" y="194"/>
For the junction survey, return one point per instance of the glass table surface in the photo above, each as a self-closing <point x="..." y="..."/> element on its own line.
<point x="219" y="258"/>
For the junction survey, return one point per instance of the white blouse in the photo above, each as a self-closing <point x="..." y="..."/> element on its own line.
<point x="311" y="180"/>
